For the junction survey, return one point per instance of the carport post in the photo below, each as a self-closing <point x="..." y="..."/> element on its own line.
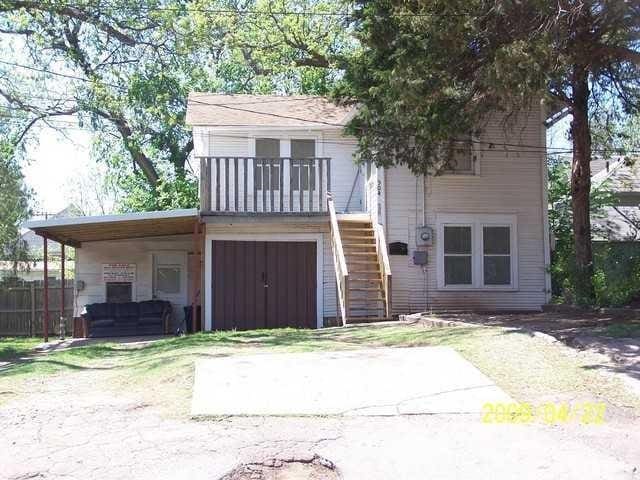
<point x="45" y="318"/>
<point x="62" y="286"/>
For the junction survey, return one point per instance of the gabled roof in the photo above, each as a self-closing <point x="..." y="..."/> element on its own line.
<point x="621" y="174"/>
<point x="218" y="110"/>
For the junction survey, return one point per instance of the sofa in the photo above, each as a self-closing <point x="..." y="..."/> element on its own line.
<point x="152" y="317"/>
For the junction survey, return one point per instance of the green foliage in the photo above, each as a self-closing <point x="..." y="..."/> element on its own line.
<point x="617" y="273"/>
<point x="139" y="61"/>
<point x="616" y="276"/>
<point x="167" y="194"/>
<point x="14" y="202"/>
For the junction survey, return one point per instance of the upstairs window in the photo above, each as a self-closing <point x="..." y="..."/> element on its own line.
<point x="461" y="157"/>
<point x="305" y="174"/>
<point x="267" y="174"/>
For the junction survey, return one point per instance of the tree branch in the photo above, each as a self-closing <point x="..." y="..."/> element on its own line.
<point x="70" y="12"/>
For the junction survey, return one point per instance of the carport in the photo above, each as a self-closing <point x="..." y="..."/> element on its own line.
<point x="76" y="231"/>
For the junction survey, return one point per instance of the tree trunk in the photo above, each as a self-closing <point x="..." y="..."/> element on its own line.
<point x="581" y="186"/>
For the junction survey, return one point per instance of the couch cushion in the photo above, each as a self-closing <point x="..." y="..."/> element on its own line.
<point x="104" y="322"/>
<point x="128" y="309"/>
<point x="151" y="308"/>
<point x="99" y="311"/>
<point x="156" y="320"/>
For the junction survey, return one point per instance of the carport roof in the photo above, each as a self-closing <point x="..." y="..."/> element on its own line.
<point x="76" y="230"/>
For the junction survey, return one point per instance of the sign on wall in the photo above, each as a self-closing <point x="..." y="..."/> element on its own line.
<point x="119" y="272"/>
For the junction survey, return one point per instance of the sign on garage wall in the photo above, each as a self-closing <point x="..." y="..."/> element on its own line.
<point x="119" y="272"/>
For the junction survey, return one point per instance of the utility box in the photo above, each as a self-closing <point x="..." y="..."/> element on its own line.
<point x="424" y="236"/>
<point x="420" y="257"/>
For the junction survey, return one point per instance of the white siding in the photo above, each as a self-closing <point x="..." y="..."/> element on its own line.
<point x="92" y="255"/>
<point x="508" y="182"/>
<point x="329" y="143"/>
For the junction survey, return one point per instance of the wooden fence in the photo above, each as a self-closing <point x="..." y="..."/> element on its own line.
<point x="22" y="308"/>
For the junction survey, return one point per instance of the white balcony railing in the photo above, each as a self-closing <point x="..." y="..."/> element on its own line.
<point x="251" y="185"/>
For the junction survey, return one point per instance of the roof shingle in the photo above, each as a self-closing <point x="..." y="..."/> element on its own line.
<point x="218" y="110"/>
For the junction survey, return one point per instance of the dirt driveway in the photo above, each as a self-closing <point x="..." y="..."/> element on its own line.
<point x="73" y="426"/>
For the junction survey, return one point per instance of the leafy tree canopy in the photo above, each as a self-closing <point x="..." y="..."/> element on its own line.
<point x="125" y="68"/>
<point x="14" y="203"/>
<point x="429" y="73"/>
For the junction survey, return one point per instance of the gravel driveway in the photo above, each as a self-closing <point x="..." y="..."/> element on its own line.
<point x="72" y="427"/>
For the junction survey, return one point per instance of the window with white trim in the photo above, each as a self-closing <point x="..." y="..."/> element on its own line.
<point x="496" y="252"/>
<point x="267" y="171"/>
<point x="477" y="251"/>
<point x="457" y="255"/>
<point x="303" y="148"/>
<point x="460" y="156"/>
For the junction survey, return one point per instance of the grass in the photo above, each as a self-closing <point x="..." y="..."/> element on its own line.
<point x="12" y="348"/>
<point x="528" y="368"/>
<point x="623" y="330"/>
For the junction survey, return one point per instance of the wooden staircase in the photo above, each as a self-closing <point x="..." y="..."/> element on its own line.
<point x="363" y="275"/>
<point x="365" y="291"/>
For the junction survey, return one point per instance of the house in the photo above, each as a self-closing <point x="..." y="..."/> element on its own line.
<point x="619" y="222"/>
<point x="292" y="232"/>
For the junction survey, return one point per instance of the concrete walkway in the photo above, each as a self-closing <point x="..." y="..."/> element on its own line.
<point x="383" y="381"/>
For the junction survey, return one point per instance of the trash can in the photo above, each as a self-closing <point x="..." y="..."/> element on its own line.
<point x="189" y="320"/>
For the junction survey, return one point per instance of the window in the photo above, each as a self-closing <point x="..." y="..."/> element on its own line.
<point x="477" y="251"/>
<point x="267" y="172"/>
<point x="168" y="279"/>
<point x="457" y="255"/>
<point x="301" y="149"/>
<point x="496" y="245"/>
<point x="119" y="292"/>
<point x="460" y="156"/>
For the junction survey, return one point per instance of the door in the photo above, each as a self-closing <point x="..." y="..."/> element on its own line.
<point x="170" y="279"/>
<point x="372" y="190"/>
<point x="263" y="285"/>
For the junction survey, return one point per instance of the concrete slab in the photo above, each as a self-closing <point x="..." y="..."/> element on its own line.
<point x="382" y="381"/>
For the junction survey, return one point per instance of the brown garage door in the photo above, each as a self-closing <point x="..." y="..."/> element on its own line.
<point x="264" y="285"/>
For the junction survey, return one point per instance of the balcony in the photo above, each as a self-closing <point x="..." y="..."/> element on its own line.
<point x="264" y="186"/>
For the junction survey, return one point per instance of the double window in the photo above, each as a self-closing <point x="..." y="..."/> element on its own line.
<point x="477" y="251"/>
<point x="266" y="173"/>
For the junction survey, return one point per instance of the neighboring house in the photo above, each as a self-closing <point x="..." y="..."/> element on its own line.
<point x="277" y="252"/>
<point x="621" y="221"/>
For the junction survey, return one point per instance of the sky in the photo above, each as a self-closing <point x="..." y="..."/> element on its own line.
<point x="52" y="164"/>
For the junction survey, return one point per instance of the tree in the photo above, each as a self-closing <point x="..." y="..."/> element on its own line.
<point x="14" y="205"/>
<point x="125" y="69"/>
<point x="430" y="72"/>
